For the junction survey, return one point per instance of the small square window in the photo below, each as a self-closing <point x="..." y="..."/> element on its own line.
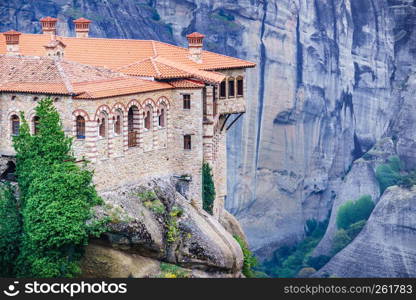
<point x="186" y="101"/>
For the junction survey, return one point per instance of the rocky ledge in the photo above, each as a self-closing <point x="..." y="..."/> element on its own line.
<point x="154" y="231"/>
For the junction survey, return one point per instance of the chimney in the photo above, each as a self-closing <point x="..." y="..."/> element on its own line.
<point x="12" y="42"/>
<point x="49" y="25"/>
<point x="55" y="49"/>
<point x="195" y="46"/>
<point x="82" y="27"/>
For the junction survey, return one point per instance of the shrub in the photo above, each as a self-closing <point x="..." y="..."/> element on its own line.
<point x="250" y="260"/>
<point x="10" y="231"/>
<point x="208" y="188"/>
<point x="155" y="206"/>
<point x="354" y="229"/>
<point x="340" y="241"/>
<point x="388" y="174"/>
<point x="354" y="211"/>
<point x="173" y="271"/>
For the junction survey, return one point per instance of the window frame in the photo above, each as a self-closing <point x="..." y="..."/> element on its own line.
<point x="13" y="121"/>
<point x="80" y="128"/>
<point x="231" y="81"/>
<point x="239" y="80"/>
<point x="223" y="88"/>
<point x="186" y="98"/>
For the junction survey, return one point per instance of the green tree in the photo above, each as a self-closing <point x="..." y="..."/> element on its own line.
<point x="57" y="195"/>
<point x="208" y="188"/>
<point x="388" y="174"/>
<point x="10" y="231"/>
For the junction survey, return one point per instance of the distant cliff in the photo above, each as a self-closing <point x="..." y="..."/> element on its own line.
<point x="329" y="84"/>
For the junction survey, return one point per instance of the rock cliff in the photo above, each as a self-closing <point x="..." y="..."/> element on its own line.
<point x="151" y="224"/>
<point x="333" y="79"/>
<point x="385" y="247"/>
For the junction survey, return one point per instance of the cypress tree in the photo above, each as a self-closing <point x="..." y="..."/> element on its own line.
<point x="208" y="188"/>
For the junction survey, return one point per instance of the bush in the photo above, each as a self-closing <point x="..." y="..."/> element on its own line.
<point x="354" y="229"/>
<point x="389" y="174"/>
<point x="250" y="260"/>
<point x="208" y="188"/>
<point x="173" y="271"/>
<point x="10" y="231"/>
<point x="354" y="211"/>
<point x="340" y="241"/>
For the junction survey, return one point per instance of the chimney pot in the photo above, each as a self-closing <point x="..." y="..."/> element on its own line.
<point x="12" y="42"/>
<point x="49" y="25"/>
<point x="195" y="44"/>
<point x="82" y="27"/>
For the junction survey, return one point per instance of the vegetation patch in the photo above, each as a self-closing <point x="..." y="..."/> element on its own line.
<point x="250" y="261"/>
<point x="56" y="200"/>
<point x="173" y="271"/>
<point x="208" y="188"/>
<point x="172" y="227"/>
<point x="287" y="261"/>
<point x="351" y="219"/>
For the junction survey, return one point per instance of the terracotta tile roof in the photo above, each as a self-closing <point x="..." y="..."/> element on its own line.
<point x="116" y="53"/>
<point x="112" y="87"/>
<point x="187" y="83"/>
<point x="48" y="19"/>
<point x="46" y="75"/>
<point x="162" y="68"/>
<point x="195" y="35"/>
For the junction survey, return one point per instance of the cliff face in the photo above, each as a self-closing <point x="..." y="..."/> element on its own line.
<point x="328" y="86"/>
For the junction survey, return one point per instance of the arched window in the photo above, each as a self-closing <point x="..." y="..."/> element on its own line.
<point x="162" y="116"/>
<point x="80" y="127"/>
<point x="15" y="120"/>
<point x="231" y="87"/>
<point x="223" y="92"/>
<point x="240" y="86"/>
<point x="102" y="126"/>
<point x="148" y="114"/>
<point x="133" y="126"/>
<point x="35" y="122"/>
<point x="117" y="125"/>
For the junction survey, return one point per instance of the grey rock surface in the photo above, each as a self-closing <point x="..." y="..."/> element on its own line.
<point x="386" y="245"/>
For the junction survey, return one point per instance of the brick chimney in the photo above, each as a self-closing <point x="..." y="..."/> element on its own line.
<point x="82" y="27"/>
<point x="12" y="42"/>
<point x="195" y="43"/>
<point x="49" y="25"/>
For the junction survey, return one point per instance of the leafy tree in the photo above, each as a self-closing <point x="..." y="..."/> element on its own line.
<point x="340" y="241"/>
<point x="10" y="231"/>
<point x="57" y="197"/>
<point x="354" y="211"/>
<point x="208" y="188"/>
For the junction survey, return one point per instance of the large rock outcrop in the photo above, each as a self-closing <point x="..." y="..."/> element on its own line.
<point x="327" y="87"/>
<point x="150" y="223"/>
<point x="386" y="245"/>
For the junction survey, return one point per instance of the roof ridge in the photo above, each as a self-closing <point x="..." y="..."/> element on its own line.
<point x="152" y="60"/>
<point x="64" y="77"/>
<point x="133" y="63"/>
<point x="154" y="48"/>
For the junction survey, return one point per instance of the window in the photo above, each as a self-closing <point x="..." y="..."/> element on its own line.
<point x="35" y="99"/>
<point x="240" y="86"/>
<point x="15" y="125"/>
<point x="101" y="127"/>
<point x="133" y="126"/>
<point x="231" y="87"/>
<point x="162" y="117"/>
<point x="35" y="125"/>
<point x="13" y="98"/>
<point x="187" y="145"/>
<point x="223" y="90"/>
<point x="80" y="127"/>
<point x="148" y="117"/>
<point x="117" y="125"/>
<point x="215" y="107"/>
<point x="186" y="101"/>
